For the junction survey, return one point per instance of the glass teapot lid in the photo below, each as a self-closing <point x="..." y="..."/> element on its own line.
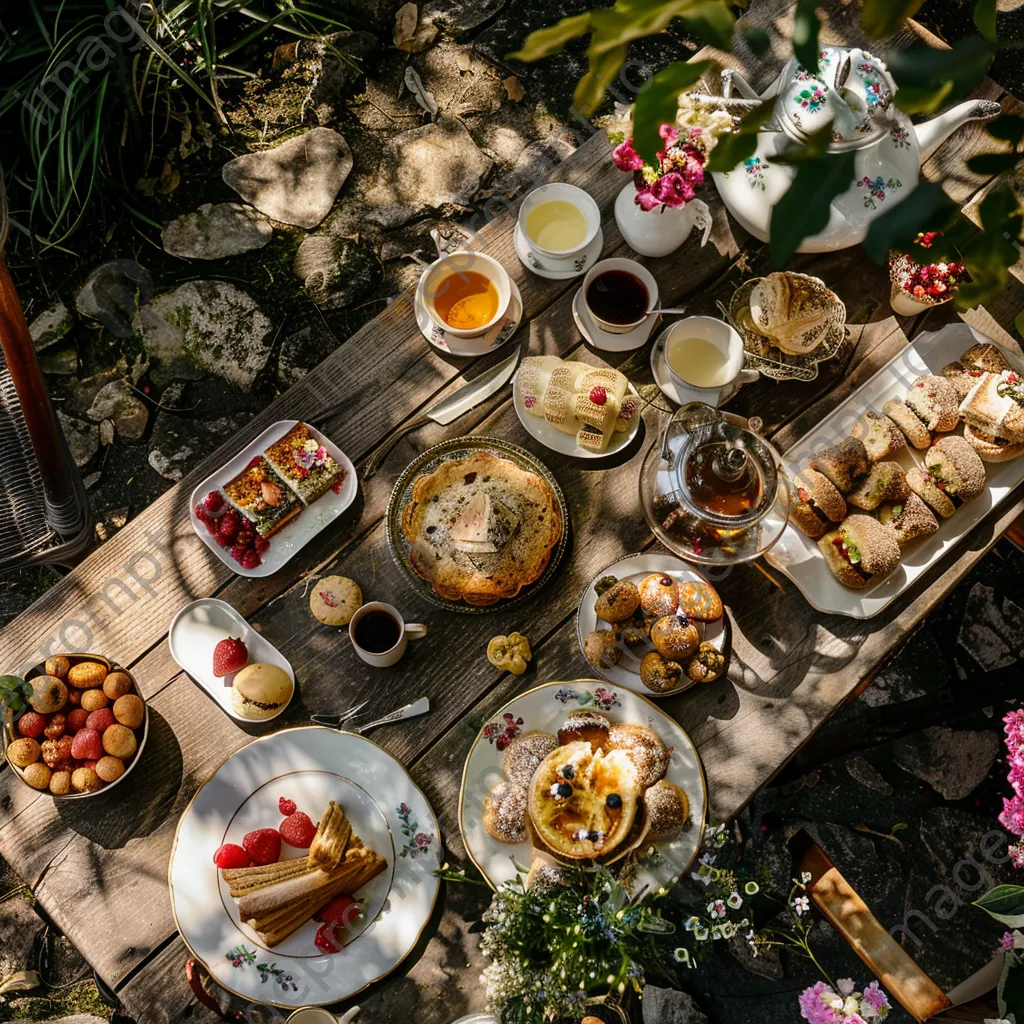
<point x="712" y="489"/>
<point x="850" y="87"/>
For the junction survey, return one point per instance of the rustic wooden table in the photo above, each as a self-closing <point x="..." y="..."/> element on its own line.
<point x="99" y="867"/>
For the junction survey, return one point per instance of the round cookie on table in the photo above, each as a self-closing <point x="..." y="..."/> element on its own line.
<point x="82" y="729"/>
<point x="335" y="599"/>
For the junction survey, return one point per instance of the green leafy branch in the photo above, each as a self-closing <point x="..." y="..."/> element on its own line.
<point x="14" y="693"/>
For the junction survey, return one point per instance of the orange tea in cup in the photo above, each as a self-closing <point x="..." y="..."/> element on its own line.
<point x="466" y="299"/>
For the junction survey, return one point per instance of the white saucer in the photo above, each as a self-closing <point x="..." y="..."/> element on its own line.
<point x="544" y="266"/>
<point x="604" y="339"/>
<point x="480" y="345"/>
<point x="662" y="375"/>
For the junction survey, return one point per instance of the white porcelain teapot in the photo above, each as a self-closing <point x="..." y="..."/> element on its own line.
<point x="854" y="91"/>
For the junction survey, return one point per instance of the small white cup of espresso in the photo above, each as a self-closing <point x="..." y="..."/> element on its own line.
<point x="705" y="359"/>
<point x="619" y="294"/>
<point x="465" y="293"/>
<point x="559" y="220"/>
<point x="380" y="635"/>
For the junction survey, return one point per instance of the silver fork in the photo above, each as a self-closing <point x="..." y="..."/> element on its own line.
<point x="336" y="721"/>
<point x="417" y="707"/>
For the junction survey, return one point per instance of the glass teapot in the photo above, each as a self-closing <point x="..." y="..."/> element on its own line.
<point x="712" y="489"/>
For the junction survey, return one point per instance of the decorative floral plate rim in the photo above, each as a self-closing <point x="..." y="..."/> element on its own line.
<point x="781" y="365"/>
<point x="642" y="563"/>
<point x="427" y="462"/>
<point x="412" y="824"/>
<point x="593" y="693"/>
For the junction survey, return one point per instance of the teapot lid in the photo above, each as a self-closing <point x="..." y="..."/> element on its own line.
<point x="850" y="87"/>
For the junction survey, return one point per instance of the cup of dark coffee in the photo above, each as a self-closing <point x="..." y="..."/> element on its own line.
<point x="380" y="635"/>
<point x="618" y="295"/>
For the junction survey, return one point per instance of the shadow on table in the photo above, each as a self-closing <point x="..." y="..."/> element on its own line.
<point x="140" y="804"/>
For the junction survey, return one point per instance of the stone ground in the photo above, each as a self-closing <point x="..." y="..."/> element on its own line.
<point x="896" y="788"/>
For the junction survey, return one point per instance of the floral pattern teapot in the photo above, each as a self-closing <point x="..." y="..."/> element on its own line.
<point x="854" y="91"/>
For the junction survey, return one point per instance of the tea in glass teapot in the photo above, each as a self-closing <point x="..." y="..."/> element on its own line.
<point x="713" y="490"/>
<point x="852" y="90"/>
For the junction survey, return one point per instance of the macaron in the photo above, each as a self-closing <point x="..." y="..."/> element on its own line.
<point x="335" y="599"/>
<point x="259" y="691"/>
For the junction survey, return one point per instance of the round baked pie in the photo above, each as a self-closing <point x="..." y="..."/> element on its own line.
<point x="481" y="528"/>
<point x="589" y="726"/>
<point x="582" y="801"/>
<point x="505" y="813"/>
<point x="645" y="749"/>
<point x="525" y="753"/>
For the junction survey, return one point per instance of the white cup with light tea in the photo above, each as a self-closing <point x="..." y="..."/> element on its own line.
<point x="380" y="635"/>
<point x="465" y="293"/>
<point x="619" y="294"/>
<point x="559" y="220"/>
<point x="705" y="360"/>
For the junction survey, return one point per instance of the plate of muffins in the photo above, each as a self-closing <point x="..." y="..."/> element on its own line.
<point x="652" y="623"/>
<point x="898" y="474"/>
<point x="583" y="773"/>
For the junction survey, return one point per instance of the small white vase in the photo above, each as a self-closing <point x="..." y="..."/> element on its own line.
<point x="905" y="304"/>
<point x="662" y="230"/>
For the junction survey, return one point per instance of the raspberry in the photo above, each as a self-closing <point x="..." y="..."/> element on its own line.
<point x="342" y="910"/>
<point x="263" y="845"/>
<point x="224" y="542"/>
<point x="76" y="720"/>
<point x="231" y="856"/>
<point x="229" y="523"/>
<point x="86" y="745"/>
<point x="254" y="462"/>
<point x="31" y="724"/>
<point x="100" y="720"/>
<point x="211" y="526"/>
<point x="598" y="395"/>
<point x="250" y="560"/>
<point x="327" y="939"/>
<point x="286" y="806"/>
<point x="297" y="830"/>
<point x="261" y="544"/>
<point x="200" y="513"/>
<point x="238" y="551"/>
<point x="214" y="501"/>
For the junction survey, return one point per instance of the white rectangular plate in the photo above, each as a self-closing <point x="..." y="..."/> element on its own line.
<point x="798" y="556"/>
<point x="198" y="628"/>
<point x="297" y="533"/>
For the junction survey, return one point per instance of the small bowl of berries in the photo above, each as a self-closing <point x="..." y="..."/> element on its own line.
<point x="75" y="725"/>
<point x="917" y="284"/>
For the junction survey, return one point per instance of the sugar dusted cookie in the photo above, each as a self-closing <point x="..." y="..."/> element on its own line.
<point x="335" y="599"/>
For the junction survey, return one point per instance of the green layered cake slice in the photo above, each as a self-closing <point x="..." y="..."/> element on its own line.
<point x="262" y="497"/>
<point x="304" y="463"/>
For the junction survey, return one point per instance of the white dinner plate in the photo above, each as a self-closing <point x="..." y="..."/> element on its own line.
<point x="798" y="556"/>
<point x="297" y="533"/>
<point x="195" y="632"/>
<point x="545" y="708"/>
<point x="388" y="812"/>
<point x="634" y="568"/>
<point x="558" y="441"/>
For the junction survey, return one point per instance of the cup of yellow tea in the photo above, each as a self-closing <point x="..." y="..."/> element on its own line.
<point x="559" y="220"/>
<point x="465" y="293"/>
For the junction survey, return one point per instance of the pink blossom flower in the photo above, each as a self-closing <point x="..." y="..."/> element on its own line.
<point x="671" y="137"/>
<point x="626" y="157"/>
<point x="1007" y="941"/>
<point x="874" y="998"/>
<point x="813" y="1009"/>
<point x="1012" y="815"/>
<point x="1016" y="852"/>
<point x="645" y="199"/>
<point x="672" y="189"/>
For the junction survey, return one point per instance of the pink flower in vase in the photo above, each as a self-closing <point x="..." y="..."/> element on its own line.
<point x="646" y="200"/>
<point x="670" y="137"/>
<point x="626" y="157"/>
<point x="672" y="189"/>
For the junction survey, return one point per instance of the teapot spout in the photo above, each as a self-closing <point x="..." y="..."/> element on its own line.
<point x="931" y="134"/>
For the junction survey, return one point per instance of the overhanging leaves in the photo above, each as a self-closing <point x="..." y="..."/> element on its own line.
<point x="604" y="69"/>
<point x="989" y="254"/>
<point x="546" y="41"/>
<point x="1004" y="900"/>
<point x="805" y="208"/>
<point x="922" y="71"/>
<point x="757" y="39"/>
<point x="881" y="18"/>
<point x="737" y="145"/>
<point x="658" y="103"/>
<point x="811" y="150"/>
<point x="926" y="208"/>
<point x="985" y="18"/>
<point x="712" y="22"/>
<point x="805" y="34"/>
<point x="1010" y="991"/>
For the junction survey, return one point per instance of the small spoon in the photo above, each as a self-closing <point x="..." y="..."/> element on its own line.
<point x="650" y="311"/>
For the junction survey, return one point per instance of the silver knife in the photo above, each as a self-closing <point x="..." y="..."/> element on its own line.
<point x="448" y="409"/>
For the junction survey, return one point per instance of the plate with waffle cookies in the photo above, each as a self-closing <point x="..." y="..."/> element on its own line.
<point x="258" y="510"/>
<point x="899" y="474"/>
<point x="286" y="864"/>
<point x="574" y="408"/>
<point x="581" y="773"/>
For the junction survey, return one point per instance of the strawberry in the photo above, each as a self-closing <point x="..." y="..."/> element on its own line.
<point x="231" y="856"/>
<point x="297" y="830"/>
<point x="87" y="746"/>
<point x="229" y="656"/>
<point x="327" y="939"/>
<point x="31" y="724"/>
<point x="100" y="720"/>
<point x="341" y="911"/>
<point x="263" y="845"/>
<point x="286" y="806"/>
<point x="76" y="720"/>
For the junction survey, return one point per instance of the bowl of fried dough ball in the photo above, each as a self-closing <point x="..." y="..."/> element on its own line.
<point x="83" y="730"/>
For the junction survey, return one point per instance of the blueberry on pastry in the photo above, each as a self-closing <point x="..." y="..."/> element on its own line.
<point x="675" y="636"/>
<point x="659" y="595"/>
